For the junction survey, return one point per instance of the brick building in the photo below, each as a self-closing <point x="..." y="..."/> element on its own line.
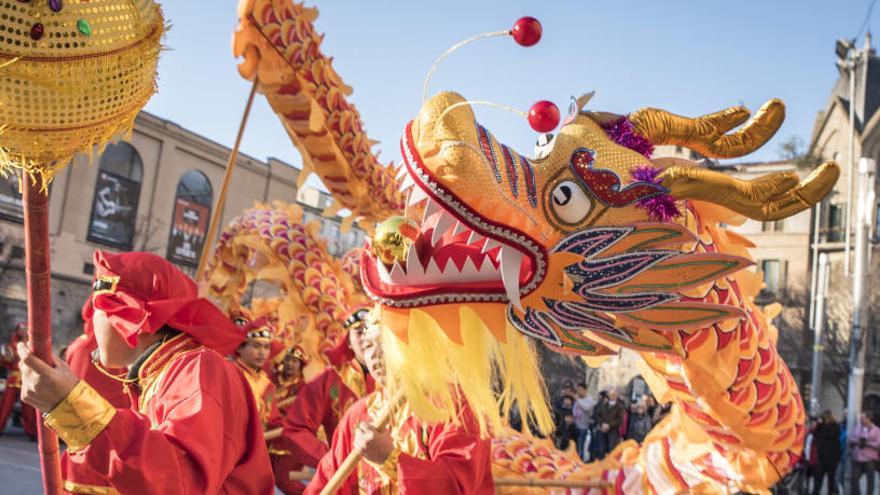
<point x="155" y="194"/>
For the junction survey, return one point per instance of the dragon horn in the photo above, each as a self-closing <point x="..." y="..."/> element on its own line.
<point x="708" y="134"/>
<point x="770" y="197"/>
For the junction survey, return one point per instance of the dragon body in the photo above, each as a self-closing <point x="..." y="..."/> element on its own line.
<point x="313" y="291"/>
<point x="593" y="247"/>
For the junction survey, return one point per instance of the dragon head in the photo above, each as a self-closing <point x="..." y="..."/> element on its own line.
<point x="572" y="239"/>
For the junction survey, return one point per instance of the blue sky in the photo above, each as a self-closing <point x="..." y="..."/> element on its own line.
<point x="690" y="57"/>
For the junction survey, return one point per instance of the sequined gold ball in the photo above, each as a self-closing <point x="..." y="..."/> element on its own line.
<point x="392" y="239"/>
<point x="73" y="75"/>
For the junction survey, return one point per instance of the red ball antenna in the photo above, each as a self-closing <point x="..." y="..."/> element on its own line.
<point x="544" y="116"/>
<point x="526" y="31"/>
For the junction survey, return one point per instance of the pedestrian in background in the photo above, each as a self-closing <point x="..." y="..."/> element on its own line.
<point x="582" y="413"/>
<point x="826" y="445"/>
<point x="609" y="418"/>
<point x="639" y="423"/>
<point x="864" y="445"/>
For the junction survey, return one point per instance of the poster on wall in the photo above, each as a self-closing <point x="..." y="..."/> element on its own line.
<point x="114" y="210"/>
<point x="188" y="230"/>
<point x="10" y="199"/>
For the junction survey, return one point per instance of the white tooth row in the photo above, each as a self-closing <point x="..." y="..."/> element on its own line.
<point x="510" y="259"/>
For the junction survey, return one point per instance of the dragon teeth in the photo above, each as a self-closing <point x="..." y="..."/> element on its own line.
<point x="401" y="169"/>
<point x="431" y="207"/>
<point x="413" y="264"/>
<point x="474" y="237"/>
<point x="416" y="196"/>
<point x="459" y="228"/>
<point x="384" y="276"/>
<point x="490" y="244"/>
<point x="407" y="182"/>
<point x="511" y="261"/>
<point x="398" y="275"/>
<point x="444" y="223"/>
<point x="433" y="274"/>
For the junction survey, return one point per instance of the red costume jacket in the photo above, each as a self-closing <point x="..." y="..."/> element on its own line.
<point x="9" y="360"/>
<point x="285" y="392"/>
<point x="192" y="428"/>
<point x="427" y="459"/>
<point x="321" y="403"/>
<point x="79" y="359"/>
<point x="79" y="478"/>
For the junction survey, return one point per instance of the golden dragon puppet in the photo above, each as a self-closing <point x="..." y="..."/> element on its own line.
<point x="315" y="291"/>
<point x="591" y="247"/>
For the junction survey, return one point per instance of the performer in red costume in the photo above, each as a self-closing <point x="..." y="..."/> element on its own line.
<point x="193" y="426"/>
<point x="322" y="401"/>
<point x="81" y="357"/>
<point x="9" y="360"/>
<point x="408" y="457"/>
<point x="250" y="358"/>
<point x="288" y="378"/>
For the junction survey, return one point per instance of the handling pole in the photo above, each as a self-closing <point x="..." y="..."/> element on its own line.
<point x="39" y="298"/>
<point x="227" y="178"/>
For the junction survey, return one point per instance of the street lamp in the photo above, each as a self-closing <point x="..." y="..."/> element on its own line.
<point x="848" y="60"/>
<point x="864" y="215"/>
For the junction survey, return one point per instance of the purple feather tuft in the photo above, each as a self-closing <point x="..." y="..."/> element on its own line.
<point x="621" y="132"/>
<point x="661" y="207"/>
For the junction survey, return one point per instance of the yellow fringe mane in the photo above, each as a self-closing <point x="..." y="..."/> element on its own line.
<point x="491" y="375"/>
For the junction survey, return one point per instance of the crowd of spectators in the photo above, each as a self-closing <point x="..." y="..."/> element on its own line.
<point x="828" y="444"/>
<point x="595" y="425"/>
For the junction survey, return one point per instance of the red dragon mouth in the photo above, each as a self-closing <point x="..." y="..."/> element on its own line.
<point x="457" y="256"/>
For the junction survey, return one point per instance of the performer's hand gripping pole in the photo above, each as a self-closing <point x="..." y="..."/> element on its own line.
<point x="350" y="463"/>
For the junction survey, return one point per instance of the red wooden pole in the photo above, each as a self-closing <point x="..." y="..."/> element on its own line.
<point x="39" y="297"/>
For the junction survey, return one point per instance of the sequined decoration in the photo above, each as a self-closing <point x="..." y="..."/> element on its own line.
<point x="529" y="178"/>
<point x="488" y="150"/>
<point x="37" y="31"/>
<point x="592" y="276"/>
<point x="84" y="27"/>
<point x="605" y="185"/>
<point x="510" y="165"/>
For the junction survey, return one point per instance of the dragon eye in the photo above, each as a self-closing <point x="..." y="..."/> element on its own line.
<point x="569" y="202"/>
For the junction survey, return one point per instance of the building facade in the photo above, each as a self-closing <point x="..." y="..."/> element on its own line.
<point x="831" y="140"/>
<point x="155" y="193"/>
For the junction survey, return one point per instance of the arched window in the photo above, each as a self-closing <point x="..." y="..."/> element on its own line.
<point x="117" y="191"/>
<point x="189" y="225"/>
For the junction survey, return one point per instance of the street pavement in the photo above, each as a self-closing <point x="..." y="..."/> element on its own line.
<point x="19" y="463"/>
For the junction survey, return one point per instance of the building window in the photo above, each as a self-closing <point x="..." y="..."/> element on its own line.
<point x="117" y="191"/>
<point x="774" y="277"/>
<point x="775" y="226"/>
<point x="16" y="253"/>
<point x="835" y="228"/>
<point x="10" y="199"/>
<point x="877" y="222"/>
<point x="189" y="224"/>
